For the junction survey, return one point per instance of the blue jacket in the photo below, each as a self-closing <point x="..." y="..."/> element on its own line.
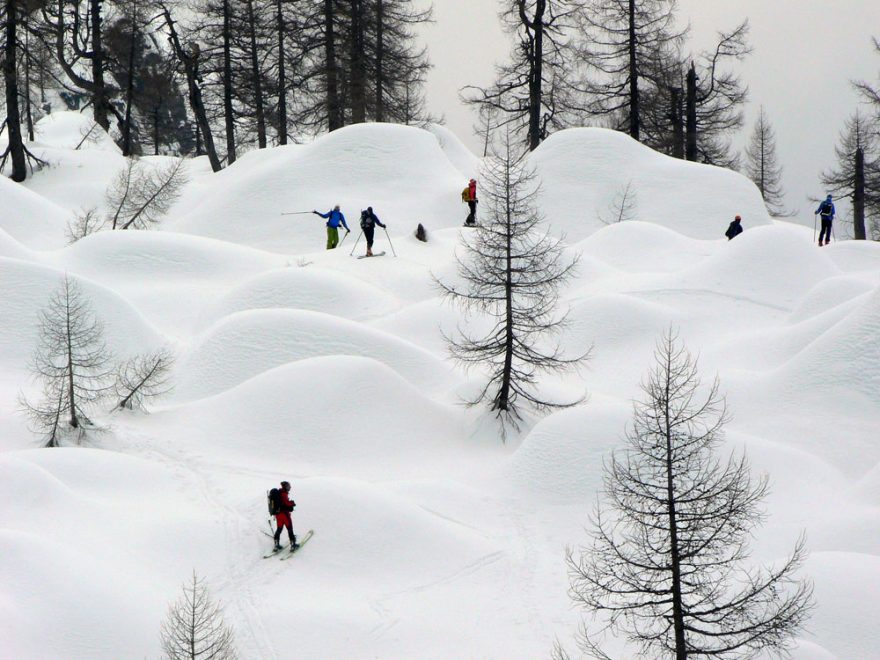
<point x="826" y="209"/>
<point x="335" y="218"/>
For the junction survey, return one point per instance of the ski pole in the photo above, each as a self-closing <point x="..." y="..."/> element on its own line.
<point x="355" y="243"/>
<point x="347" y="232"/>
<point x="298" y="213"/>
<point x="389" y="241"/>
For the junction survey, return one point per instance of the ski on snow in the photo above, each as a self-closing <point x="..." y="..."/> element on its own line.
<point x="368" y="256"/>
<point x="305" y="540"/>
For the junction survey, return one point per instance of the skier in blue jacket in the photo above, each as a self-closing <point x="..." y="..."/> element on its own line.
<point x="826" y="213"/>
<point x="334" y="219"/>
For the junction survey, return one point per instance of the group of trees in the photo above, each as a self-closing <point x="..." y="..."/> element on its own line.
<point x="253" y="72"/>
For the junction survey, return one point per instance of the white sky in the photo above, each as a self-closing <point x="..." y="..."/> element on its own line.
<point x="805" y="54"/>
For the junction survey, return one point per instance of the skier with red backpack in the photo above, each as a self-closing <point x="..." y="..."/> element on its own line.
<point x="281" y="506"/>
<point x="469" y="195"/>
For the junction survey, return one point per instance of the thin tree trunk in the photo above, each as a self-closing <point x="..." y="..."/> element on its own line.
<point x="634" y="109"/>
<point x="282" y="78"/>
<point x="227" y="86"/>
<point x="74" y="422"/>
<point x="334" y="111"/>
<point x="257" y="76"/>
<point x="13" y="119"/>
<point x="380" y="64"/>
<point x="129" y="92"/>
<point x="675" y="114"/>
<point x="691" y="115"/>
<point x="859" y="196"/>
<point x="536" y="78"/>
<point x="27" y="81"/>
<point x="677" y="607"/>
<point x="358" y="85"/>
<point x="156" y="131"/>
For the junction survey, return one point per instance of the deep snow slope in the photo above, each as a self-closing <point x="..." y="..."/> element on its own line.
<point x="433" y="539"/>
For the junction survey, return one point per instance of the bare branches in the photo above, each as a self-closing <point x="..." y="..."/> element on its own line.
<point x="513" y="273"/>
<point x="763" y="168"/>
<point x="622" y="206"/>
<point x="194" y="627"/>
<point x="143" y="377"/>
<point x="139" y="196"/>
<point x="666" y="566"/>
<point x="72" y="363"/>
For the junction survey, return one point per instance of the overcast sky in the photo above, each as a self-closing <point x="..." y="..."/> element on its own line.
<point x="805" y="54"/>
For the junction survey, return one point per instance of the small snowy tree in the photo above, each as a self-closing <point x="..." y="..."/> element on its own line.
<point x="667" y="564"/>
<point x="763" y="168"/>
<point x="623" y="205"/>
<point x="71" y="362"/>
<point x="194" y="628"/>
<point x="513" y="273"/>
<point x="143" y="377"/>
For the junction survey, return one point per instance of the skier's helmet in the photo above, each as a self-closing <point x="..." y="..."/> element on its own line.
<point x="737" y="218"/>
<point x="828" y="198"/>
<point x="285" y="485"/>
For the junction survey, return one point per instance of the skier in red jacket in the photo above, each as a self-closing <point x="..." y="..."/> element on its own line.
<point x="282" y="518"/>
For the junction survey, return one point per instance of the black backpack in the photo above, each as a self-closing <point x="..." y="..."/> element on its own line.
<point x="274" y="502"/>
<point x="366" y="219"/>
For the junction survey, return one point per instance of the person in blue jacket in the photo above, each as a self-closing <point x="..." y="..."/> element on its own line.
<point x="334" y="219"/>
<point x="826" y="213"/>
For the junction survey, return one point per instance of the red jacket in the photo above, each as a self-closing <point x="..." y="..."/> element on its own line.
<point x="286" y="503"/>
<point x="472" y="191"/>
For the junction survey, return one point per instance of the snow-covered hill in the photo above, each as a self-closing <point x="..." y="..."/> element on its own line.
<point x="432" y="538"/>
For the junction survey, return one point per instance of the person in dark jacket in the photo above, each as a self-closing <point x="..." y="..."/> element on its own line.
<point x="282" y="518"/>
<point x="334" y="219"/>
<point x="369" y="220"/>
<point x="734" y="229"/>
<point x="826" y="213"/>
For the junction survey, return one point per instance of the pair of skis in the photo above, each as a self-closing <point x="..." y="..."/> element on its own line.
<point x="290" y="553"/>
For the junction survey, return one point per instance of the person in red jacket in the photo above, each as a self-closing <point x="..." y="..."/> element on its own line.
<point x="471" y="202"/>
<point x="282" y="518"/>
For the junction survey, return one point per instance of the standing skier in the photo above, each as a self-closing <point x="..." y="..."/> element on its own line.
<point x="369" y="220"/>
<point x="334" y="219"/>
<point x="282" y="517"/>
<point x="826" y="213"/>
<point x="469" y="195"/>
<point x="734" y="229"/>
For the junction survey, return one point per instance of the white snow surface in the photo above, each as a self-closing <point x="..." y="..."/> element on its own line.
<point x="433" y="539"/>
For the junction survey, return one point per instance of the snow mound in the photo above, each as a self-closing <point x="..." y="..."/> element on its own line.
<point x="68" y="130"/>
<point x="459" y="155"/>
<point x="9" y="247"/>
<point x="828" y="294"/>
<point x="24" y="291"/>
<point x="344" y="413"/>
<point x="400" y="171"/>
<point x="31" y="219"/>
<point x="582" y="170"/>
<point x="774" y="266"/>
<point x="245" y="344"/>
<point x="561" y="459"/>
<point x="313" y="289"/>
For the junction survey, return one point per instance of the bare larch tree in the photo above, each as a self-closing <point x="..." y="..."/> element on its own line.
<point x="194" y="628"/>
<point x="143" y="377"/>
<point x="763" y="168"/>
<point x="512" y="272"/>
<point x="71" y="362"/>
<point x="667" y="568"/>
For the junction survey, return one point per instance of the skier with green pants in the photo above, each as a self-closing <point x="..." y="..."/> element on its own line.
<point x="334" y="219"/>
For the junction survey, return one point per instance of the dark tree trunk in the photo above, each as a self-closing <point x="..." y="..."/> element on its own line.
<point x="282" y="79"/>
<point x="334" y="110"/>
<point x="358" y="86"/>
<point x="380" y="64"/>
<point x="675" y="116"/>
<point x="156" y="131"/>
<point x="536" y="76"/>
<point x="691" y="115"/>
<point x="859" y="196"/>
<point x="634" y="104"/>
<point x="100" y="101"/>
<point x="257" y="76"/>
<point x="227" y="86"/>
<point x="29" y="115"/>
<point x="675" y="559"/>
<point x="129" y="92"/>
<point x="13" y="119"/>
<point x="190" y="63"/>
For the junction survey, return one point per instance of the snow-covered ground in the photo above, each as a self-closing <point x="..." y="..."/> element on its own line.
<point x="432" y="538"/>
